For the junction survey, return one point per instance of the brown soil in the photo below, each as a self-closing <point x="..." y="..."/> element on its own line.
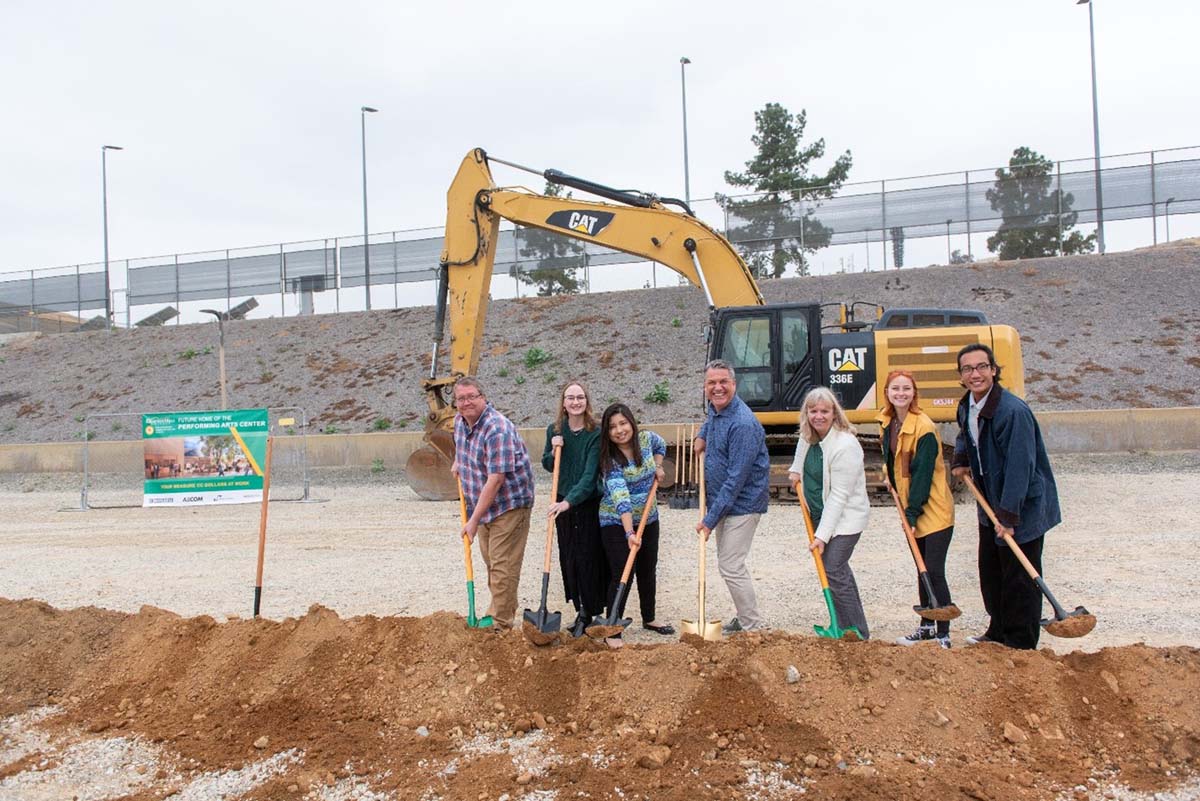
<point x="690" y="720"/>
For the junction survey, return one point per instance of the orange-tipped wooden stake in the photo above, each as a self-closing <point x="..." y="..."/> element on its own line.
<point x="262" y="527"/>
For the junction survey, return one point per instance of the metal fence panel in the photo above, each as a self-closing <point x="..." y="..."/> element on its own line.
<point x="1139" y="185"/>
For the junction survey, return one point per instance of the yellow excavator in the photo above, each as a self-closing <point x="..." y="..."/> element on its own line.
<point x="779" y="350"/>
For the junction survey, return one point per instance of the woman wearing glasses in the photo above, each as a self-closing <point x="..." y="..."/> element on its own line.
<point x="576" y="509"/>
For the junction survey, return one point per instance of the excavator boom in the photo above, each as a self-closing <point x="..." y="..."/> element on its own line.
<point x="641" y="226"/>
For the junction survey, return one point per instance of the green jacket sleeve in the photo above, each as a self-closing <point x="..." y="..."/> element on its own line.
<point x="585" y="487"/>
<point x="929" y="450"/>
<point x="548" y="451"/>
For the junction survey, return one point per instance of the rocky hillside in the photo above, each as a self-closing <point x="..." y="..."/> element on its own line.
<point x="1098" y="332"/>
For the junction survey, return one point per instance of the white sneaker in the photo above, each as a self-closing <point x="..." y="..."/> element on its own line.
<point x="922" y="634"/>
<point x="944" y="642"/>
<point x="979" y="639"/>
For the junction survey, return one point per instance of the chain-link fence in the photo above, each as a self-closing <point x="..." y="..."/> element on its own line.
<point x="114" y="465"/>
<point x="312" y="277"/>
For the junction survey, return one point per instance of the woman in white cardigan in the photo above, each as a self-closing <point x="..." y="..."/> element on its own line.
<point x="829" y="467"/>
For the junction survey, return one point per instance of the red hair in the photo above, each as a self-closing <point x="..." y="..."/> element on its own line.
<point x="913" y="405"/>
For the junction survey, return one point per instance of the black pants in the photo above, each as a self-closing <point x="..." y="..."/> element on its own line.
<point x="1010" y="596"/>
<point x="581" y="558"/>
<point x="645" y="567"/>
<point x="933" y="549"/>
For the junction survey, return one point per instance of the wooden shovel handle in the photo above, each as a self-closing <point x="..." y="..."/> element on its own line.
<point x="908" y="532"/>
<point x="633" y="549"/>
<point x="1024" y="560"/>
<point x="553" y="499"/>
<point x="703" y="542"/>
<point x="462" y="511"/>
<point x="808" y="527"/>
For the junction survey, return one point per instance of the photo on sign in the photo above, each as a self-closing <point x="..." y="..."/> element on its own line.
<point x="176" y="457"/>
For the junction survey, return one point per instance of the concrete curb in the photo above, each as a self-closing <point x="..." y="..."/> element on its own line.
<point x="1100" y="431"/>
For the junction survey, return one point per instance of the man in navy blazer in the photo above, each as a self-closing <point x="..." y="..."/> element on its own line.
<point x="1000" y="446"/>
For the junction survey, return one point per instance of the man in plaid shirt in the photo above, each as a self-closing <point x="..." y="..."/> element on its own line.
<point x="493" y="464"/>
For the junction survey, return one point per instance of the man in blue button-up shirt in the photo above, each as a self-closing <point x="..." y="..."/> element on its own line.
<point x="736" y="470"/>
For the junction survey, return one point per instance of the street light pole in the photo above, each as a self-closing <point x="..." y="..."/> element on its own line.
<point x="363" y="112"/>
<point x="687" y="186"/>
<point x="108" y="310"/>
<point x="1095" y="127"/>
<point x="221" y="317"/>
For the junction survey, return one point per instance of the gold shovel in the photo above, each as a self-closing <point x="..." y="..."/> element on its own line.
<point x="701" y="627"/>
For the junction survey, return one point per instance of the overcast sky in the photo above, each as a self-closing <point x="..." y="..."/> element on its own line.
<point x="240" y="121"/>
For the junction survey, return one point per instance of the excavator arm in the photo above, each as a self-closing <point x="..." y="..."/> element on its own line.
<point x="641" y="226"/>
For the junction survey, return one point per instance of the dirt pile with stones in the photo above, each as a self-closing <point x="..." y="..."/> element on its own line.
<point x="1098" y="332"/>
<point x="425" y="708"/>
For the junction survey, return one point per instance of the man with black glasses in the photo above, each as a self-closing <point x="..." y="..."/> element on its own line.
<point x="1000" y="447"/>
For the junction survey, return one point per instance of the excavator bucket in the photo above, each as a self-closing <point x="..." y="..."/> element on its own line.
<point x="428" y="468"/>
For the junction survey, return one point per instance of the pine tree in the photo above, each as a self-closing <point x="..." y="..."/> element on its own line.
<point x="1030" y="213"/>
<point x="779" y="227"/>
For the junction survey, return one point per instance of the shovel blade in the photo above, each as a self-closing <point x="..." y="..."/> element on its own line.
<point x="689" y="627"/>
<point x="602" y="627"/>
<point x="1076" y="624"/>
<point x="947" y="612"/>
<point x="712" y="631"/>
<point x="485" y="622"/>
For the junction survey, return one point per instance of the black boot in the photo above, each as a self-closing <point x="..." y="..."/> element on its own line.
<point x="581" y="622"/>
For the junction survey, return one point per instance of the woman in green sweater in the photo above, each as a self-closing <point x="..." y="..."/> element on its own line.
<point x="576" y="509"/>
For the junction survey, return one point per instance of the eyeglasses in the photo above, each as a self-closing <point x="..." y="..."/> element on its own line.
<point x="967" y="369"/>
<point x="574" y="397"/>
<point x="467" y="398"/>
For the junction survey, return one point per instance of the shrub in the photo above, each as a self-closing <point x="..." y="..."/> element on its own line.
<point x="382" y="424"/>
<point x="519" y="379"/>
<point x="660" y="394"/>
<point x="329" y="429"/>
<point x="534" y="357"/>
<point x="377" y="465"/>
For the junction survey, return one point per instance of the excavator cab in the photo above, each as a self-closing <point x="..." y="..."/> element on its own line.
<point x="775" y="352"/>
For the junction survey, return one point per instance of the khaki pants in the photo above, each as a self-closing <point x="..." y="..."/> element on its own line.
<point x="502" y="543"/>
<point x="734" y="535"/>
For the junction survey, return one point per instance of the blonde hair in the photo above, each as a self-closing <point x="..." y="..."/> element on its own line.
<point x="822" y="395"/>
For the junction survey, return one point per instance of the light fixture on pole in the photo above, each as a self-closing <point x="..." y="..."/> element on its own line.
<point x="687" y="186"/>
<point x="1170" y="200"/>
<point x="1095" y="127"/>
<point x="108" y="310"/>
<point x="221" y="317"/>
<point x="363" y="112"/>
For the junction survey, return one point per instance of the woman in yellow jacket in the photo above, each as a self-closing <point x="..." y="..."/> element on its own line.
<point x="912" y="453"/>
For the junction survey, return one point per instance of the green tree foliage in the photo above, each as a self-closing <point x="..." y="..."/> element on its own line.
<point x="558" y="257"/>
<point x="1031" y="213"/>
<point x="779" y="227"/>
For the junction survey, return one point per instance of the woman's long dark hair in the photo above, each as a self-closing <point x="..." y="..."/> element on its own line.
<point x="610" y="452"/>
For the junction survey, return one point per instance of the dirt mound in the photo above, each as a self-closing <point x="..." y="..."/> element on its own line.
<point x="427" y="708"/>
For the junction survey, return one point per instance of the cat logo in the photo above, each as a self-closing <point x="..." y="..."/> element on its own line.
<point x="845" y="360"/>
<point x="590" y="223"/>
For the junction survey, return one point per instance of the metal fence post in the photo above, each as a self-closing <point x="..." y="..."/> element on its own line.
<point x="78" y="294"/>
<point x="967" y="204"/>
<point x="178" y="299"/>
<point x="883" y="226"/>
<point x="337" y="276"/>
<point x="1058" y="194"/>
<point x="282" y="283"/>
<point x="32" y="302"/>
<point x="1153" y="201"/>
<point x="395" y="275"/>
<point x="228" y="281"/>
